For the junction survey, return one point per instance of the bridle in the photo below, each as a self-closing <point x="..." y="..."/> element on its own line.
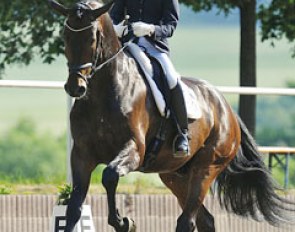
<point x="77" y="69"/>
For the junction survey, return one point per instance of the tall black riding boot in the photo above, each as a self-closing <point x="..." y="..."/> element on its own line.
<point x="180" y="143"/>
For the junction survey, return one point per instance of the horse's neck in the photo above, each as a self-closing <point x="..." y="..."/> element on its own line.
<point x="115" y="84"/>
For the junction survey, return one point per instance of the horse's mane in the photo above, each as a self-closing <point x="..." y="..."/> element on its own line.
<point x="109" y="35"/>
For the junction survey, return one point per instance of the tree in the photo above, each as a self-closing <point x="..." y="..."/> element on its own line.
<point x="247" y="103"/>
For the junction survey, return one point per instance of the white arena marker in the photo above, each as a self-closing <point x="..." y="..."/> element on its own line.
<point x="85" y="224"/>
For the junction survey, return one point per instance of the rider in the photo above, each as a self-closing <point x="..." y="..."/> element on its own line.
<point x="153" y="21"/>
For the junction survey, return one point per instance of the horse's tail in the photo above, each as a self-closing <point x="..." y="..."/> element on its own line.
<point x="246" y="187"/>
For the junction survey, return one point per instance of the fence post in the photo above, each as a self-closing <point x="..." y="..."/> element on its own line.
<point x="286" y="180"/>
<point x="70" y="102"/>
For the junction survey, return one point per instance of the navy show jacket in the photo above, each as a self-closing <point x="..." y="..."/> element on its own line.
<point x="164" y="14"/>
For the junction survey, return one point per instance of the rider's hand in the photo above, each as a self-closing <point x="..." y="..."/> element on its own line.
<point x="121" y="29"/>
<point x="143" y="29"/>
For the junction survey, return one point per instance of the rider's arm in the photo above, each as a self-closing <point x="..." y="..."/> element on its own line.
<point x="118" y="11"/>
<point x="169" y="20"/>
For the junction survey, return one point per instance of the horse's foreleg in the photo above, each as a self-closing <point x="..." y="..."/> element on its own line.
<point x="81" y="172"/>
<point x="128" y="160"/>
<point x="110" y="179"/>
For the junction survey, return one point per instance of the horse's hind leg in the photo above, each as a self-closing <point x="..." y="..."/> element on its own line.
<point x="200" y="181"/>
<point x="81" y="171"/>
<point x="205" y="220"/>
<point x="204" y="168"/>
<point x="179" y="187"/>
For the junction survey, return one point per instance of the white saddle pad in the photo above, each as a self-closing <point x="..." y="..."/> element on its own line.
<point x="191" y="102"/>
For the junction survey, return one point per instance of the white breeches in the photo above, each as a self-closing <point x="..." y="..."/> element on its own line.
<point x="163" y="58"/>
<point x="147" y="68"/>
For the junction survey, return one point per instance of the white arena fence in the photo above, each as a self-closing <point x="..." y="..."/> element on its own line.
<point x="224" y="89"/>
<point x="151" y="213"/>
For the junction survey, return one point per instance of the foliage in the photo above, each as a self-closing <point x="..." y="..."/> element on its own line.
<point x="5" y="190"/>
<point x="26" y="154"/>
<point x="276" y="127"/>
<point x="275" y="120"/>
<point x="278" y="20"/>
<point x="207" y="5"/>
<point x="291" y="83"/>
<point x="28" y="28"/>
<point x="64" y="194"/>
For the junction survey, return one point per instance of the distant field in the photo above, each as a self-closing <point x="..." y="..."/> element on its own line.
<point x="213" y="54"/>
<point x="210" y="53"/>
<point x="46" y="107"/>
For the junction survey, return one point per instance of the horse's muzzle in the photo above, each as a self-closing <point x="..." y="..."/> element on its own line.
<point x="76" y="87"/>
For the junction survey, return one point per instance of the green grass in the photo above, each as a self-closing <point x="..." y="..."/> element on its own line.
<point x="133" y="183"/>
<point x="46" y="107"/>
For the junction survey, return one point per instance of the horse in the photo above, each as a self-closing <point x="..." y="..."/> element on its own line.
<point x="114" y="118"/>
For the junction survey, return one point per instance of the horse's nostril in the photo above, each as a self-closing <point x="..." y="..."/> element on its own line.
<point x="76" y="87"/>
<point x="81" y="90"/>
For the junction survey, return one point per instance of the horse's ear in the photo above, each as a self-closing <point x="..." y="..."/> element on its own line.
<point x="98" y="12"/>
<point x="59" y="7"/>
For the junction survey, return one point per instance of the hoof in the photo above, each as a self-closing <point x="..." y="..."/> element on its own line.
<point x="130" y="224"/>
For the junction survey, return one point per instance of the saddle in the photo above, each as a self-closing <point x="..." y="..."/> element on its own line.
<point x="155" y="76"/>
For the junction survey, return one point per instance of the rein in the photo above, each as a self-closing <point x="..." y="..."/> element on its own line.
<point x="111" y="58"/>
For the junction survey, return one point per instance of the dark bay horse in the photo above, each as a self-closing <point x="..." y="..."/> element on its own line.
<point x="114" y="118"/>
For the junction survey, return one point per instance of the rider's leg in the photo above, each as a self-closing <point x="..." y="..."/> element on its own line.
<point x="147" y="68"/>
<point x="181" y="145"/>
